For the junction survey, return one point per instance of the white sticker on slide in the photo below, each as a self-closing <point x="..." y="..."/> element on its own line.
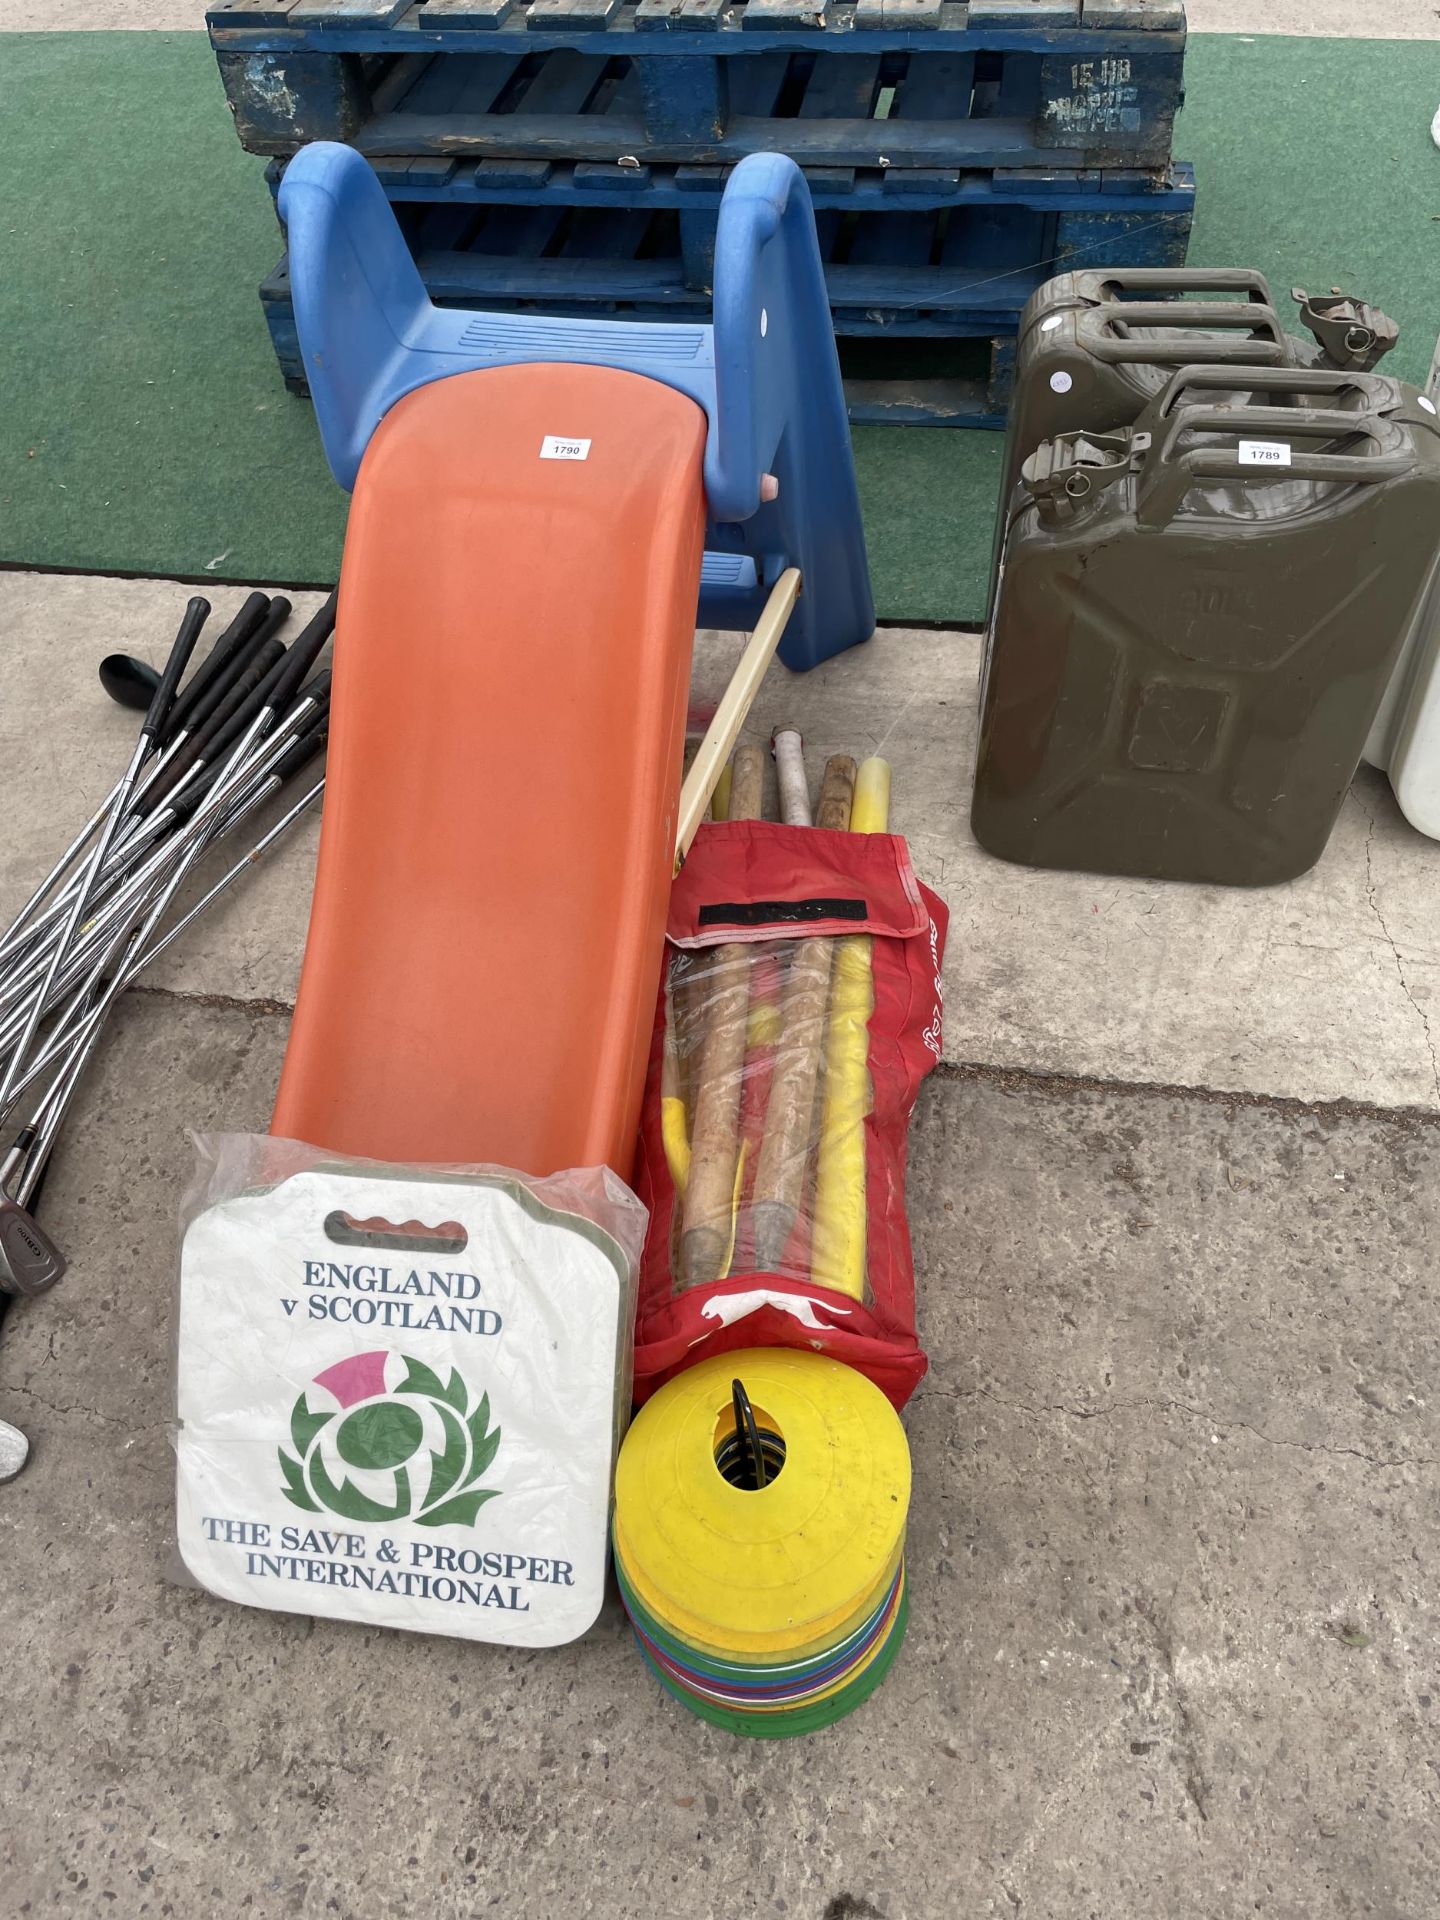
<point x="1264" y="453"/>
<point x="556" y="447"/>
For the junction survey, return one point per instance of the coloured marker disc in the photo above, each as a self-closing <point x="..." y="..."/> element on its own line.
<point x="779" y="1677"/>
<point x="784" y="1572"/>
<point x="798" y="1695"/>
<point x="811" y="1720"/>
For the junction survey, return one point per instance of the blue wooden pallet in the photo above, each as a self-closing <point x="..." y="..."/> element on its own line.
<point x="958" y="270"/>
<point x="919" y="83"/>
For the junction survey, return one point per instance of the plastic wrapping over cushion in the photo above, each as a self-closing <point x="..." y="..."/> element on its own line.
<point x="400" y="1390"/>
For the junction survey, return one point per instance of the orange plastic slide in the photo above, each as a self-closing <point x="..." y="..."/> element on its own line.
<point x="512" y="665"/>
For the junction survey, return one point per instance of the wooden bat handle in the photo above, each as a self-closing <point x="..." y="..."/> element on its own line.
<point x="790" y="1117"/>
<point x="707" y="1218"/>
<point x="837" y="793"/>
<point x="789" y="751"/>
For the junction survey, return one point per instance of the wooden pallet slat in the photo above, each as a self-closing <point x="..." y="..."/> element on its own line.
<point x="622" y="97"/>
<point x="397" y="80"/>
<point x="1129" y="238"/>
<point x="756" y="81"/>
<point x="979" y="142"/>
<point x="477" y="279"/>
<point x="463" y="82"/>
<point x="427" y="171"/>
<point x="485" y="15"/>
<point x="518" y="232"/>
<point x="830" y="180"/>
<point x="251" y="13"/>
<point x="893" y="240"/>
<point x="1038" y="182"/>
<point x="597" y="234"/>
<point x="841" y="86"/>
<point x="563" y="85"/>
<point x="508" y="176"/>
<point x="666" y="16"/>
<point x="1145" y="16"/>
<point x="899" y="15"/>
<point x="936" y="87"/>
<point x="990" y="242"/>
<point x="1128" y="193"/>
<point x="545" y="15"/>
<point x="912" y="182"/>
<point x="347" y="13"/>
<point x="768" y="16"/>
<point x="1024" y="13"/>
<point x="599" y="176"/>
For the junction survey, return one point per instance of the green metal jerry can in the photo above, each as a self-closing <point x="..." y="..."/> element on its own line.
<point x="1096" y="348"/>
<point x="1196" y="620"/>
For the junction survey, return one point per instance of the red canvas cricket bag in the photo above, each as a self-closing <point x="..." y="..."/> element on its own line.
<point x="799" y="1012"/>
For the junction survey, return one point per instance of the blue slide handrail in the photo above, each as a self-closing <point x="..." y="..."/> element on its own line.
<point x="766" y="374"/>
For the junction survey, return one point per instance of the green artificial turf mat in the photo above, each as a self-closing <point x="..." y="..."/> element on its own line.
<point x="143" y="426"/>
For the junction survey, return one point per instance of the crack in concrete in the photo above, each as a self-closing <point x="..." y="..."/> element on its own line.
<point x="1008" y="1079"/>
<point x="1036" y="1080"/>
<point x="93" y="1413"/>
<point x="1160" y="1404"/>
<point x="218" y="1002"/>
<point x="1375" y="908"/>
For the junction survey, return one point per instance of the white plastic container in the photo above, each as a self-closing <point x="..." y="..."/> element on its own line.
<point x="1404" y="742"/>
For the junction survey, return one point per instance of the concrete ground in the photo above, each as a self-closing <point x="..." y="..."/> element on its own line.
<point x="1173" y="1195"/>
<point x="1176" y="1464"/>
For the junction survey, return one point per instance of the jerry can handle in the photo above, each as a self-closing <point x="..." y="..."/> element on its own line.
<point x="1244" y="282"/>
<point x="1291" y="380"/>
<point x="1270" y="350"/>
<point x="1168" y="474"/>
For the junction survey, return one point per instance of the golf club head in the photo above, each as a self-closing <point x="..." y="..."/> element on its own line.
<point x="30" y="1262"/>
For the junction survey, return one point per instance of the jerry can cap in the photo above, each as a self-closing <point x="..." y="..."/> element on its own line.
<point x="1066" y="473"/>
<point x="1351" y="333"/>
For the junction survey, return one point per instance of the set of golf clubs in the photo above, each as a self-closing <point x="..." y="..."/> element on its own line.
<point x="210" y="755"/>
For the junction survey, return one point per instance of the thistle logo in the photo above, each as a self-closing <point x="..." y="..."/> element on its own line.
<point x="380" y="1429"/>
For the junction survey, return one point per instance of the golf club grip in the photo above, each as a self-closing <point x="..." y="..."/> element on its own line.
<point x="311" y="742"/>
<point x="240" y="705"/>
<point x="225" y="649"/>
<point x="222" y="738"/>
<point x="304" y="650"/>
<point x="211" y="706"/>
<point x="184" y="805"/>
<point x="299" y="753"/>
<point x="318" y="690"/>
<point x="197" y="612"/>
